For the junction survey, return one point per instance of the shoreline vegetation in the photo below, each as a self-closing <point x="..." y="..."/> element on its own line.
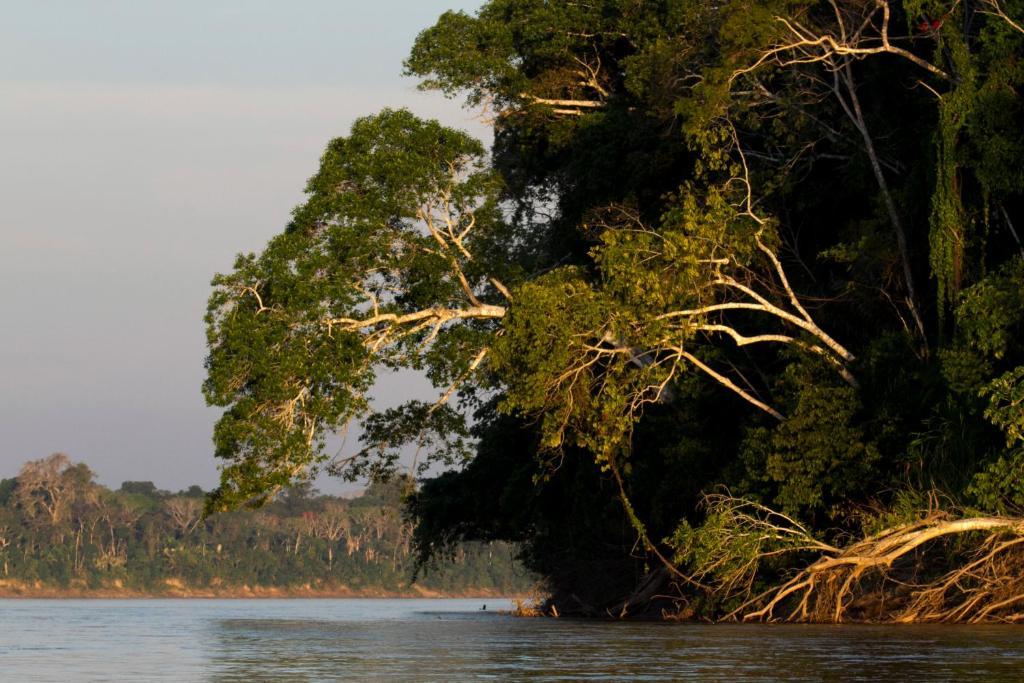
<point x="64" y="535"/>
<point x="727" y="322"/>
<point x="176" y="590"/>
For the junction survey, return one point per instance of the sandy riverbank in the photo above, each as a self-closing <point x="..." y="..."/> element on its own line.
<point x="173" y="588"/>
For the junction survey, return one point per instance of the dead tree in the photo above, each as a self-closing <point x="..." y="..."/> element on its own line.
<point x="937" y="568"/>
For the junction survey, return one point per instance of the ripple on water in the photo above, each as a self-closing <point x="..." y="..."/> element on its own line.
<point x="443" y="640"/>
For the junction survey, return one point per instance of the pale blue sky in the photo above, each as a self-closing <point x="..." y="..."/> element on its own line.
<point x="143" y="144"/>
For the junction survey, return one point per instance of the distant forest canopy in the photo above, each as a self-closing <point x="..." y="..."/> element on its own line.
<point x="727" y="322"/>
<point x="59" y="529"/>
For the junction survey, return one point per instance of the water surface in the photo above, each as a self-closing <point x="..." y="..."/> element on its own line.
<point x="445" y="640"/>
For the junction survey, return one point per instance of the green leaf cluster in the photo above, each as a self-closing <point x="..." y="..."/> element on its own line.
<point x="700" y="252"/>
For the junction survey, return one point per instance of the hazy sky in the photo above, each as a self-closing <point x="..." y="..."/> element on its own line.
<point x="142" y="145"/>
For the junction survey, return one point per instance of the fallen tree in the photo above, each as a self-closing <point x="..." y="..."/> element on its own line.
<point x="940" y="567"/>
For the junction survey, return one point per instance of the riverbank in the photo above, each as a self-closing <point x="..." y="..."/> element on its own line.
<point x="173" y="588"/>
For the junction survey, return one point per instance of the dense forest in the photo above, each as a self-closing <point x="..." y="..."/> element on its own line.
<point x="728" y="322"/>
<point x="61" y="533"/>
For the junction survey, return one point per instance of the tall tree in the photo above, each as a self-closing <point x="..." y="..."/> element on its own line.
<point x="777" y="227"/>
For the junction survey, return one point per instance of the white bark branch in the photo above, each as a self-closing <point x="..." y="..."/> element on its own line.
<point x="809" y="48"/>
<point x="732" y="386"/>
<point x="436" y="314"/>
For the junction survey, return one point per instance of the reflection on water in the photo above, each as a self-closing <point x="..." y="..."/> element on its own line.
<point x="443" y="640"/>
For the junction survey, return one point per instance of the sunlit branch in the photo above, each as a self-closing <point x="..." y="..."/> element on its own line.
<point x="436" y="315"/>
<point x="809" y="48"/>
<point x="996" y="9"/>
<point x="564" y="107"/>
<point x="729" y="384"/>
<point x="453" y="387"/>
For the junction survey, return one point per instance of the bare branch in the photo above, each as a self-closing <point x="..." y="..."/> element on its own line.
<point x="453" y="387"/>
<point x="731" y="386"/>
<point x="859" y="122"/>
<point x="996" y="9"/>
<point x="984" y="582"/>
<point x="808" y="48"/>
<point x="564" y="107"/>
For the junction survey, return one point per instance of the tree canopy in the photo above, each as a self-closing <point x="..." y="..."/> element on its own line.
<point x="765" y="245"/>
<point x="61" y="533"/>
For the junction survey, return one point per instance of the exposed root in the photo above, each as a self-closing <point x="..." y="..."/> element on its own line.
<point x="527" y="608"/>
<point x="936" y="569"/>
<point x="641" y="598"/>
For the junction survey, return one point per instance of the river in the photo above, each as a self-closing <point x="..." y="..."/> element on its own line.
<point x="448" y="640"/>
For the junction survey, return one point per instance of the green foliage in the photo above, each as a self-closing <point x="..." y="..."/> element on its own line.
<point x="439" y="430"/>
<point x="583" y="352"/>
<point x="687" y="261"/>
<point x="990" y="314"/>
<point x="979" y="142"/>
<point x="987" y="357"/>
<point x="143" y="539"/>
<point x="142" y="488"/>
<point x="567" y="525"/>
<point x="7" y="487"/>
<point x="1000" y="486"/>
<point x="820" y="455"/>
<point x="287" y="371"/>
<point x="543" y="336"/>
<point x="736" y="546"/>
<point x="512" y="50"/>
<point x="1006" y="404"/>
<point x="907" y="506"/>
<point x="950" y="221"/>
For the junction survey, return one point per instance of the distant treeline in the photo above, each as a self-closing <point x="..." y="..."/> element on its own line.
<point x="59" y="529"/>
